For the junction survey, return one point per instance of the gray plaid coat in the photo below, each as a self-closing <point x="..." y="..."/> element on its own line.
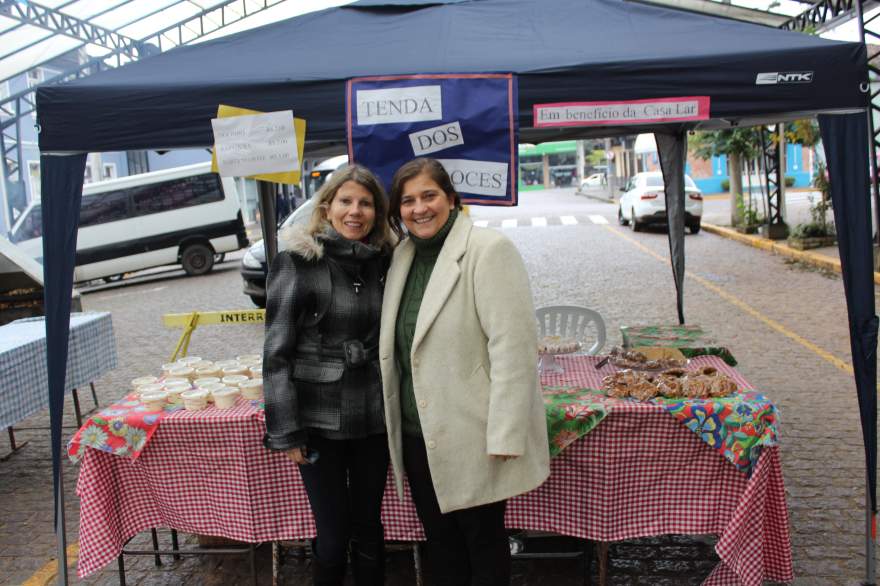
<point x="320" y="364"/>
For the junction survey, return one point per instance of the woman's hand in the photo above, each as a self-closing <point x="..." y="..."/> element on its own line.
<point x="297" y="455"/>
<point x="503" y="457"/>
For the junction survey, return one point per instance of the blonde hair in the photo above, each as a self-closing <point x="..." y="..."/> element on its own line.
<point x="380" y="236"/>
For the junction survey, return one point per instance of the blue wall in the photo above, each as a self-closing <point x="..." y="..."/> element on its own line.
<point x="794" y="167"/>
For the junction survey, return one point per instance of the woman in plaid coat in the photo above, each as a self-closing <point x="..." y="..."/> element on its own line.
<point x="323" y="391"/>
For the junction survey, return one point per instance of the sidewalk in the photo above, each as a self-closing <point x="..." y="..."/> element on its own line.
<point x="827" y="258"/>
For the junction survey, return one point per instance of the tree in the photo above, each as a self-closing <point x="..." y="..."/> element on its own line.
<point x="739" y="145"/>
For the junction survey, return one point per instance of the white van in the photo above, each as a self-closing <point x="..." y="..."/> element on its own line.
<point x="184" y="215"/>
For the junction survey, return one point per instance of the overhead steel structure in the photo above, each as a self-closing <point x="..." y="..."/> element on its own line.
<point x="107" y="35"/>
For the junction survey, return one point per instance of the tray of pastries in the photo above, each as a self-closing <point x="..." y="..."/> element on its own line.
<point x="648" y="358"/>
<point x="704" y="383"/>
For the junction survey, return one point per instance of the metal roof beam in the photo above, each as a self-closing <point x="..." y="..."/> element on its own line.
<point x="826" y="14"/>
<point x="730" y="11"/>
<point x="248" y="8"/>
<point x="63" y="24"/>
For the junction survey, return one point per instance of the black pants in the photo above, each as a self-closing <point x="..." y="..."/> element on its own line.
<point x="345" y="488"/>
<point x="468" y="547"/>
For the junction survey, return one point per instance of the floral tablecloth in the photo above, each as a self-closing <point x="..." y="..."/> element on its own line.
<point x="571" y="413"/>
<point x="691" y="340"/>
<point x="737" y="427"/>
<point x="122" y="429"/>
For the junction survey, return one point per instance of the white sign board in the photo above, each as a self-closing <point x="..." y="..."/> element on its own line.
<point x="480" y="177"/>
<point x="255" y="144"/>
<point x="396" y="105"/>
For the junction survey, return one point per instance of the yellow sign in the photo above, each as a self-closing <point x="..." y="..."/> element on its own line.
<point x="299" y="125"/>
<point x="235" y="316"/>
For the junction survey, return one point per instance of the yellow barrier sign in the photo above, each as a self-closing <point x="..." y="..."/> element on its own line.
<point x="189" y="322"/>
<point x="235" y="316"/>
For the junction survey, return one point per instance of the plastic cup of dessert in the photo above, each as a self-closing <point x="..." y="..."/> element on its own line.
<point x="174" y="391"/>
<point x="229" y="370"/>
<point x="153" y="388"/>
<point x="174" y="379"/>
<point x="221" y="364"/>
<point x="256" y="371"/>
<point x="207" y="371"/>
<point x="226" y="397"/>
<point x="168" y="366"/>
<point x="202" y="364"/>
<point x="233" y="380"/>
<point x="189" y="360"/>
<point x="252" y="389"/>
<point x="205" y="380"/>
<point x="210" y="388"/>
<point x="143" y="380"/>
<point x="182" y="372"/>
<point x="154" y="400"/>
<point x="194" y="399"/>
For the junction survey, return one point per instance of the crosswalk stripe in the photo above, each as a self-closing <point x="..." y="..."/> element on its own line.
<point x="568" y="220"/>
<point x="508" y="223"/>
<point x="482" y="223"/>
<point x="542" y="222"/>
<point x="598" y="219"/>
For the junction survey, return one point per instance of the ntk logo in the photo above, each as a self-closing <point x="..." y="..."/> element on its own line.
<point x="784" y="77"/>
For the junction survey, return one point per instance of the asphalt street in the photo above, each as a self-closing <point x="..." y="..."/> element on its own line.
<point x="785" y="323"/>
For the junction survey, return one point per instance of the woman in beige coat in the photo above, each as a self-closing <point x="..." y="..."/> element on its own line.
<point x="458" y="357"/>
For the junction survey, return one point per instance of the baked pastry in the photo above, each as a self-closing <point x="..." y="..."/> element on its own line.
<point x="557" y="345"/>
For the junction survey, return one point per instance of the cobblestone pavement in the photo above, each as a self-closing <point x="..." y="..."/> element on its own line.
<point x="598" y="265"/>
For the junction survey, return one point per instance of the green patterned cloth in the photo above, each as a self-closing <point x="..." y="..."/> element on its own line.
<point x="690" y="340"/>
<point x="572" y="413"/>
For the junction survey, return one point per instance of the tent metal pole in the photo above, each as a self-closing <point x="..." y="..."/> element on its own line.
<point x="870" y="535"/>
<point x="872" y="143"/>
<point x="870" y="542"/>
<point x="61" y="530"/>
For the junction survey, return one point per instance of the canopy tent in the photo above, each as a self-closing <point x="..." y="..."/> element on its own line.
<point x="561" y="51"/>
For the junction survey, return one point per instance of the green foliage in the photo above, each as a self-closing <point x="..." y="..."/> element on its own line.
<point x="596" y="158"/>
<point x="725" y="184"/>
<point x="750" y="215"/>
<point x="811" y="230"/>
<point x="804" y="132"/>
<point x="789" y="181"/>
<point x="745" y="142"/>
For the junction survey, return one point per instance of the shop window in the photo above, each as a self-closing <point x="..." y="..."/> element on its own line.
<point x="109" y="171"/>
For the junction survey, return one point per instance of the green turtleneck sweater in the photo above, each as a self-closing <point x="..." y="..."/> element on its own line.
<point x="427" y="251"/>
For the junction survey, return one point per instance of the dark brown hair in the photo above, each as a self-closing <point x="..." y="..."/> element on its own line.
<point x="434" y="170"/>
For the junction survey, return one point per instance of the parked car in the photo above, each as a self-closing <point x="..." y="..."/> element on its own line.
<point x="253" y="265"/>
<point x="594" y="180"/>
<point x="644" y="202"/>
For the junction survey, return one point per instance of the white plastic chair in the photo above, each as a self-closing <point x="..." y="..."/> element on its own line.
<point x="571" y="321"/>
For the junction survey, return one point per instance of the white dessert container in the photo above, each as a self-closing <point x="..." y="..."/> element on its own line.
<point x="226" y="397"/>
<point x="233" y="380"/>
<point x="143" y="380"/>
<point x="229" y="370"/>
<point x="252" y="389"/>
<point x="195" y="399"/>
<point x="154" y="400"/>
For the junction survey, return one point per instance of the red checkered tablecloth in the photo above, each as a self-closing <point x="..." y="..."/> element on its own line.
<point x="639" y="473"/>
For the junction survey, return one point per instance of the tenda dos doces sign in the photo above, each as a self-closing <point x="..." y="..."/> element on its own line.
<point x="466" y="121"/>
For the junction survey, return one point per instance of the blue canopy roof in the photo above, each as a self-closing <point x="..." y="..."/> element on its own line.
<point x="562" y="50"/>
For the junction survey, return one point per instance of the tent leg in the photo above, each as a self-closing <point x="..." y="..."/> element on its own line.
<point x="76" y="409"/>
<point x="61" y="530"/>
<point x="94" y="395"/>
<point x="870" y="542"/>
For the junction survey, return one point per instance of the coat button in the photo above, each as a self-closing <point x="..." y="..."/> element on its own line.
<point x="423" y="403"/>
<point x="432" y="444"/>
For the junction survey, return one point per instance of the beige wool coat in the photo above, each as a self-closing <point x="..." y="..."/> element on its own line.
<point x="474" y="370"/>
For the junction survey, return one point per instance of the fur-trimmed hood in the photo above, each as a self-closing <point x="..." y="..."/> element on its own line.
<point x="297" y="239"/>
<point x="313" y="247"/>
